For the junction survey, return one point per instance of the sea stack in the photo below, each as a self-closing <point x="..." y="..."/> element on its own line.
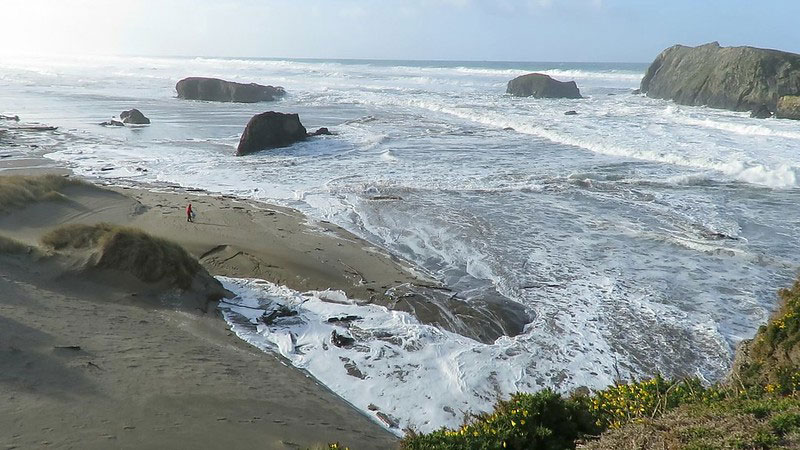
<point x="216" y="90"/>
<point x="539" y="85"/>
<point x="271" y="130"/>
<point x="734" y="78"/>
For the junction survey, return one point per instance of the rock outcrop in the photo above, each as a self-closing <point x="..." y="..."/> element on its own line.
<point x="762" y="112"/>
<point x="734" y="78"/>
<point x="134" y="117"/>
<point x="539" y="85"/>
<point x="271" y="130"/>
<point x="216" y="90"/>
<point x="788" y="107"/>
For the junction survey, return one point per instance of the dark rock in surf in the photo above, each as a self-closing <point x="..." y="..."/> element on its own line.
<point x="384" y="198"/>
<point x="11" y="118"/>
<point x="271" y="130"/>
<point x="390" y="421"/>
<point x="636" y="92"/>
<point x="762" y="112"/>
<point x="340" y="340"/>
<point x="269" y="318"/>
<point x="343" y="319"/>
<point x="539" y="85"/>
<point x="216" y="90"/>
<point x="788" y="107"/>
<point x="112" y="123"/>
<point x="571" y="113"/>
<point x="321" y="132"/>
<point x="134" y="117"/>
<point x="734" y="78"/>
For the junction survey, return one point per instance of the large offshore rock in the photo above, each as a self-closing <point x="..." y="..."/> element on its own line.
<point x="539" y="85"/>
<point x="271" y="130"/>
<point x="788" y="107"/>
<point x="735" y="78"/>
<point x="216" y="90"/>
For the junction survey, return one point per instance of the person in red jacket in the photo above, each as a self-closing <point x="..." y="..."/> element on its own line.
<point x="189" y="213"/>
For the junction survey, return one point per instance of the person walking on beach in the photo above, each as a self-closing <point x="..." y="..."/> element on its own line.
<point x="189" y="213"/>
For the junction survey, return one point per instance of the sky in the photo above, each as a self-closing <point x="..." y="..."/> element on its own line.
<point x="493" y="30"/>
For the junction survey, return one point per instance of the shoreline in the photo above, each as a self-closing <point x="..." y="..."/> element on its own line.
<point x="30" y="281"/>
<point x="247" y="238"/>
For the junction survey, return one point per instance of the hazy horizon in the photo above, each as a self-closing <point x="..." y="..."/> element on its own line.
<point x="623" y="31"/>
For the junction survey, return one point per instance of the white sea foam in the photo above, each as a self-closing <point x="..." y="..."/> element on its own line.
<point x="418" y="375"/>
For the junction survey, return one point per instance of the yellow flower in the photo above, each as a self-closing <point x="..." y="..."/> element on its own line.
<point x="513" y="424"/>
<point x="504" y="444"/>
<point x="522" y="422"/>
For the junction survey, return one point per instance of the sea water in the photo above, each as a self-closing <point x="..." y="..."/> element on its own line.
<point x="642" y="236"/>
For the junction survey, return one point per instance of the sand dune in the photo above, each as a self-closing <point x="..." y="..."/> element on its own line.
<point x="99" y="350"/>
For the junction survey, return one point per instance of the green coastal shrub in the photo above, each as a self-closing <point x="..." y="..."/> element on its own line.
<point x="736" y="422"/>
<point x="623" y="403"/>
<point x="772" y="358"/>
<point x="544" y="420"/>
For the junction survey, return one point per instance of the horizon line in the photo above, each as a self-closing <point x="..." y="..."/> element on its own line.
<point x="313" y="58"/>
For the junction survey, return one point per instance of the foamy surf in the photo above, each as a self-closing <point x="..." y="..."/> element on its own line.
<point x="404" y="374"/>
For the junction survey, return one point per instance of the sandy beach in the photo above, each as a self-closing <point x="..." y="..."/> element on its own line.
<point x="91" y="362"/>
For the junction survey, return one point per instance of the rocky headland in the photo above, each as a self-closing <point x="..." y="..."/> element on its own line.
<point x="734" y="78"/>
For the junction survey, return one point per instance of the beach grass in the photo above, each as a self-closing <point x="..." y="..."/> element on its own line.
<point x="12" y="246"/>
<point x="148" y="258"/>
<point x="17" y="191"/>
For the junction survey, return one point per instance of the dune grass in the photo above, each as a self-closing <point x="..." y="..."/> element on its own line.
<point x="148" y="258"/>
<point x="11" y="246"/>
<point x="16" y="191"/>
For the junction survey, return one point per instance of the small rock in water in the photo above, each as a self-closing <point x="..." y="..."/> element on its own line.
<point x="762" y="112"/>
<point x="571" y="113"/>
<point x="340" y="340"/>
<point x="322" y="132"/>
<point x="387" y="419"/>
<point x="112" y="123"/>
<point x="344" y="319"/>
<point x="134" y="116"/>
<point x="386" y="197"/>
<point x="277" y="313"/>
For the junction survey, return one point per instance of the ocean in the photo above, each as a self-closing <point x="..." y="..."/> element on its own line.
<point x="642" y="236"/>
